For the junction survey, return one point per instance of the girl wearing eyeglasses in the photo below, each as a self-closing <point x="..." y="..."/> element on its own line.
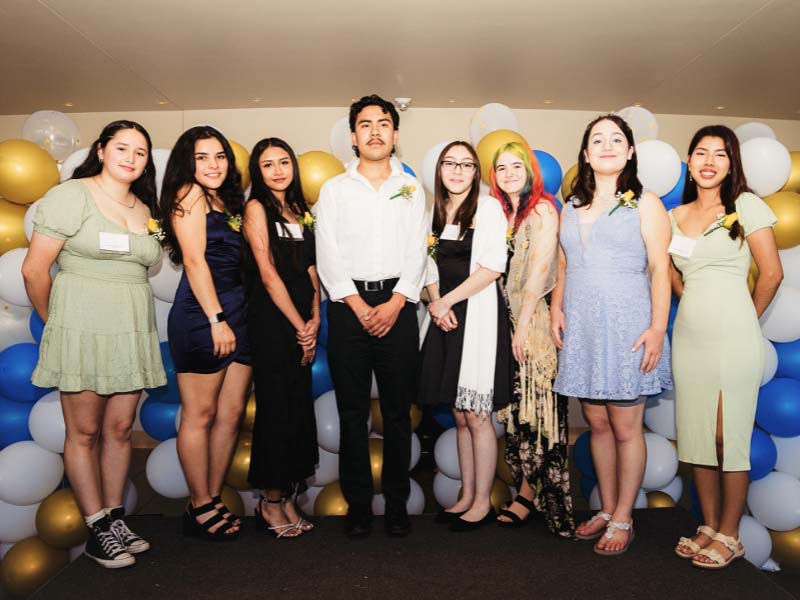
<point x="467" y="350"/>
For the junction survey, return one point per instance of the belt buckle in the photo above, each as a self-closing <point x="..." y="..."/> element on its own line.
<point x="373" y="286"/>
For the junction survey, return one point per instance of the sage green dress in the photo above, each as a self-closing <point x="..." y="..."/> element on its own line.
<point x="100" y="334"/>
<point x="716" y="342"/>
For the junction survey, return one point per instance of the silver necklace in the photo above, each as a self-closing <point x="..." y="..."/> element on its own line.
<point x="102" y="189"/>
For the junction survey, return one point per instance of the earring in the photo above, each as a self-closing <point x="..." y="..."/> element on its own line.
<point x="354" y="147"/>
<point x="690" y="177"/>
<point x="101" y="160"/>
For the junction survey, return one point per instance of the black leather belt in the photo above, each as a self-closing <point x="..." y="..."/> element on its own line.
<point x="376" y="286"/>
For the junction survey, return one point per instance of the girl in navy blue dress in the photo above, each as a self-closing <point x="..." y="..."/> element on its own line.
<point x="201" y="204"/>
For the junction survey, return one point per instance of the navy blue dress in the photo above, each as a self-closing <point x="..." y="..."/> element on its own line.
<point x="188" y="328"/>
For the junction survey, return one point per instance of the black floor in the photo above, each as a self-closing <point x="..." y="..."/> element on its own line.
<point x="430" y="563"/>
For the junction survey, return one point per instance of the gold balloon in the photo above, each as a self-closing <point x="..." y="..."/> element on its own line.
<point x="249" y="413"/>
<point x="12" y="228"/>
<point x="659" y="500"/>
<point x="415" y="413"/>
<point x="26" y="171"/>
<point x="376" y="462"/>
<point x="59" y="521"/>
<point x="793" y="183"/>
<point x="232" y="500"/>
<point x="786" y="206"/>
<point x="489" y="145"/>
<point x="503" y="471"/>
<point x="786" y="547"/>
<point x="500" y="494"/>
<point x="30" y="564"/>
<point x="416" y="417"/>
<point x="240" y="464"/>
<point x="316" y="167"/>
<point x="330" y="502"/>
<point x="242" y="162"/>
<point x="567" y="181"/>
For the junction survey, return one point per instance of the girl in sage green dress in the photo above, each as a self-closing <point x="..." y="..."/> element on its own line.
<point x="716" y="341"/>
<point x="99" y="346"/>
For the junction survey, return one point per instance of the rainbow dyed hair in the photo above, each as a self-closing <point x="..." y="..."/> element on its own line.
<point x="532" y="192"/>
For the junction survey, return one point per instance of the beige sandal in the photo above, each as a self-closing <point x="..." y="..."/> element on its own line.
<point x="691" y="544"/>
<point x="610" y="528"/>
<point x="593" y="536"/>
<point x="719" y="562"/>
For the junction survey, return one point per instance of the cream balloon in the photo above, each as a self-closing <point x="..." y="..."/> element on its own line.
<point x="788" y="455"/>
<point x="327" y="470"/>
<point x="72" y="162"/>
<point x="491" y="117"/>
<point x="445" y="453"/>
<point x="341" y="141"/>
<point x="305" y="501"/>
<point x="767" y="165"/>
<point x="641" y="121"/>
<point x="662" y="462"/>
<point x="429" y="165"/>
<point x="12" y="286"/>
<point x="781" y="321"/>
<point x="14" y="325"/>
<point x="164" y="278"/>
<point x="164" y="472"/>
<point x="775" y="501"/>
<point x="674" y="488"/>
<point x="28" y="473"/>
<point x="46" y="422"/>
<point x="753" y="130"/>
<point x="54" y="131"/>
<point x="659" y="166"/>
<point x="755" y="538"/>
<point x="446" y="489"/>
<point x="17" y="522"/>
<point x="659" y="414"/>
<point x="770" y="361"/>
<point x="790" y="261"/>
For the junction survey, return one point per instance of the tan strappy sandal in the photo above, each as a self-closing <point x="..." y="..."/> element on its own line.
<point x="689" y="543"/>
<point x="593" y="536"/>
<point x="719" y="562"/>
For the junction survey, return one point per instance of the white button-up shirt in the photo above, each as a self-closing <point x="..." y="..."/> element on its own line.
<point x="363" y="234"/>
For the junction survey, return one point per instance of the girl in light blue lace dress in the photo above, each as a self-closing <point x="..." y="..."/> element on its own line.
<point x="609" y="317"/>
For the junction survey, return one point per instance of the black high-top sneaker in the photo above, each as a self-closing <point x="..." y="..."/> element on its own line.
<point x="133" y="542"/>
<point x="104" y="548"/>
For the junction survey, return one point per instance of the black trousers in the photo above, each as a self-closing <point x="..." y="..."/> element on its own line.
<point x="353" y="354"/>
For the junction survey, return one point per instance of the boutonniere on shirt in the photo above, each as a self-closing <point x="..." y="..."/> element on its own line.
<point x="154" y="229"/>
<point x="235" y="222"/>
<point x="627" y="200"/>
<point x="433" y="245"/>
<point x="510" y="238"/>
<point x="307" y="220"/>
<point x="405" y="192"/>
<point x="723" y="222"/>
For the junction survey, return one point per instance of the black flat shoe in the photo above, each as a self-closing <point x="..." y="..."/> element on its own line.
<point x="460" y="525"/>
<point x="397" y="523"/>
<point x="444" y="517"/>
<point x="516" y="521"/>
<point x="358" y="525"/>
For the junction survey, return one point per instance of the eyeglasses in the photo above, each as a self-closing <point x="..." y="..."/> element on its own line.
<point x="466" y="167"/>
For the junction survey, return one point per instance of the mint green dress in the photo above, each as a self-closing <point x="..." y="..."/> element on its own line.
<point x="717" y="344"/>
<point x="100" y="334"/>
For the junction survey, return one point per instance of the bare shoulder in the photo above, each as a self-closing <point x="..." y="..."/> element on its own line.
<point x="189" y="196"/>
<point x="546" y="213"/>
<point x="254" y="208"/>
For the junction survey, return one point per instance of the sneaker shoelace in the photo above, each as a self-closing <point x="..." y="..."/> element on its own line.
<point x="123" y="533"/>
<point x="110" y="544"/>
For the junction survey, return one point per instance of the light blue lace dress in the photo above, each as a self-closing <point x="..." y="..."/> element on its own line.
<point x="607" y="307"/>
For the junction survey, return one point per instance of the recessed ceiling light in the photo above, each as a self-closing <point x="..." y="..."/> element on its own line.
<point x="451" y="100"/>
<point x="548" y="101"/>
<point x="353" y="100"/>
<point x="637" y="103"/>
<point x="255" y="99"/>
<point x="720" y="107"/>
<point x="163" y="102"/>
<point x="69" y="104"/>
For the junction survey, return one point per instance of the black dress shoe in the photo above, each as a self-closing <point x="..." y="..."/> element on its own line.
<point x="445" y="518"/>
<point x="397" y="523"/>
<point x="358" y="526"/>
<point x="460" y="525"/>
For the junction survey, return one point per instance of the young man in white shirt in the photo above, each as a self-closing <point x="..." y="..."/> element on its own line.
<point x="370" y="234"/>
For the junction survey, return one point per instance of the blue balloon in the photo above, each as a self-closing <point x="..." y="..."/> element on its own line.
<point x="36" y="325"/>
<point x="409" y="170"/>
<point x="788" y="359"/>
<point x="322" y="335"/>
<point x="158" y="419"/>
<point x="763" y="455"/>
<point x="673" y="311"/>
<point x="674" y="197"/>
<point x="168" y="392"/>
<point x="17" y="363"/>
<point x="14" y="422"/>
<point x="778" y="409"/>
<point x="443" y="415"/>
<point x="559" y="206"/>
<point x="582" y="456"/>
<point x="321" y="381"/>
<point x="551" y="171"/>
<point x="587" y="485"/>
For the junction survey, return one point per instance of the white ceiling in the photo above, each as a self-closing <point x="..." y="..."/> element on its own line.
<point x="676" y="56"/>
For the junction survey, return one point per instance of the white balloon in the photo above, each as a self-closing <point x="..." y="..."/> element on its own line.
<point x="416" y="450"/>
<point x="12" y="286"/>
<point x="770" y="361"/>
<point x="756" y="540"/>
<point x="659" y="166"/>
<point x="445" y="453"/>
<point x="781" y="321"/>
<point x="27" y="221"/>
<point x="250" y="500"/>
<point x="775" y="501"/>
<point x="659" y="414"/>
<point x="767" y="165"/>
<point x="14" y="325"/>
<point x="54" y="131"/>
<point x="790" y="261"/>
<point x="76" y="551"/>
<point x="446" y="490"/>
<point x="130" y="497"/>
<point x="753" y="130"/>
<point x="788" y="455"/>
<point x="327" y="416"/>
<point x="46" y="422"/>
<point x="28" y="473"/>
<point x="177" y="419"/>
<point x="662" y="462"/>
<point x="305" y="501"/>
<point x="162" y="316"/>
<point x="164" y="278"/>
<point x="164" y="472"/>
<point x="415" y="504"/>
<point x="674" y="488"/>
<point x="499" y="428"/>
<point x="72" y="162"/>
<point x="341" y="140"/>
<point x="429" y="165"/>
<point x="4" y="548"/>
<point x="491" y="117"/>
<point x="160" y="158"/>
<point x="327" y="469"/>
<point x="17" y="522"/>
<point x="641" y="499"/>
<point x="641" y="121"/>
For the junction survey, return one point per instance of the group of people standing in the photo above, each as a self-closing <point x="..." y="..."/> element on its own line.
<point x="527" y="307"/>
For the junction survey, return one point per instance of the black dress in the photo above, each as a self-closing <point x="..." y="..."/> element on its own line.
<point x="284" y="451"/>
<point x="441" y="351"/>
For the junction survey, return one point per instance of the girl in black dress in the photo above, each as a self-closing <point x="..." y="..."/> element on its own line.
<point x="283" y="320"/>
<point x="467" y="352"/>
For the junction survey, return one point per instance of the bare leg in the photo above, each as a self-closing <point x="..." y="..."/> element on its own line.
<point x="83" y="416"/>
<point x="465" y="462"/>
<point x="115" y="445"/>
<point x="484" y="459"/>
<point x="604" y="456"/>
<point x="225" y="427"/>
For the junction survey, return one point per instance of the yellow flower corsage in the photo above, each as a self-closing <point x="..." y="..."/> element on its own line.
<point x="624" y="199"/>
<point x="405" y="191"/>
<point x="235" y="223"/>
<point x="433" y="245"/>
<point x="307" y="220"/>
<point x="723" y="222"/>
<point x="154" y="229"/>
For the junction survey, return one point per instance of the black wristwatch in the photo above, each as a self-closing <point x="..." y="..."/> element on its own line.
<point x="217" y="318"/>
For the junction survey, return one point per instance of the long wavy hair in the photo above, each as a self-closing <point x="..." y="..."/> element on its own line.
<point x="532" y="192"/>
<point x="583" y="187"/>
<point x="144" y="188"/>
<point x="179" y="178"/>
<point x="466" y="212"/>
<point x="733" y="185"/>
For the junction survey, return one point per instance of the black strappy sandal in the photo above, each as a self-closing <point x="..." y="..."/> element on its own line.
<point x="516" y="521"/>
<point x="192" y="528"/>
<point x="226" y="512"/>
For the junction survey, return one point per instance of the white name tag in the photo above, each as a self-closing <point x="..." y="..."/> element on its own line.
<point x="289" y="230"/>
<point x="115" y="242"/>
<point x="451" y="232"/>
<point x="682" y="246"/>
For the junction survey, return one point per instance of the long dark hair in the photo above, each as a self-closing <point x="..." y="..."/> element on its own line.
<point x="466" y="212"/>
<point x="179" y="177"/>
<point x="733" y="185"/>
<point x="583" y="187"/>
<point x="144" y="188"/>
